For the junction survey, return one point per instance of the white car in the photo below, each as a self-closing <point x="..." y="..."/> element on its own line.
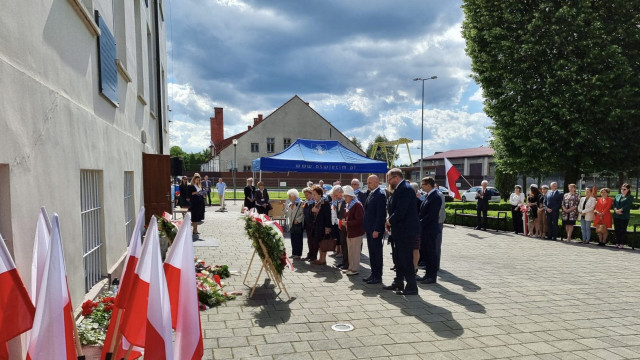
<point x="470" y="195"/>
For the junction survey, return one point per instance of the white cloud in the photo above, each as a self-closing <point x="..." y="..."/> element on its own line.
<point x="477" y="96"/>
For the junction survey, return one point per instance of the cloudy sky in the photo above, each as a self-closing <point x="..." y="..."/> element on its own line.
<point x="353" y="61"/>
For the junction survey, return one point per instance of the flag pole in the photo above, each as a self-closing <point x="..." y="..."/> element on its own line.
<point x="468" y="183"/>
<point x="128" y="352"/>
<point x="116" y="338"/>
<point x="76" y="338"/>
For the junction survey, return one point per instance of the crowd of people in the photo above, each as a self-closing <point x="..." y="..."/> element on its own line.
<point x="337" y="219"/>
<point x="544" y="208"/>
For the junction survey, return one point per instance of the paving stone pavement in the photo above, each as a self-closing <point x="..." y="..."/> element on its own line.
<point x="498" y="296"/>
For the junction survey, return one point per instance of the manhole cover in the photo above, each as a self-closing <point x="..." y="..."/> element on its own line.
<point x="342" y="327"/>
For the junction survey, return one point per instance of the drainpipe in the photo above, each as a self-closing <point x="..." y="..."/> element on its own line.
<point x="160" y="113"/>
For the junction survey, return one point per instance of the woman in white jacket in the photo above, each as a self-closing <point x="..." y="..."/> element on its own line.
<point x="586" y="215"/>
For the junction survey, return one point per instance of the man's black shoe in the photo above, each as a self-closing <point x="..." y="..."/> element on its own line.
<point x="407" y="292"/>
<point x="393" y="286"/>
<point x="427" y="280"/>
<point x="476" y="228"/>
<point x="374" y="281"/>
<point x="366" y="279"/>
<point x="484" y="229"/>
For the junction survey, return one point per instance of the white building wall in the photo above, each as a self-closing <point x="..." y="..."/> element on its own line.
<point x="54" y="123"/>
<point x="293" y="120"/>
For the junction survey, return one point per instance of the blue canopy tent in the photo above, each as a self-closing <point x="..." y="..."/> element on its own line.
<point x="330" y="156"/>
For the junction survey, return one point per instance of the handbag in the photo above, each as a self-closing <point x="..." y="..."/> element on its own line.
<point x="327" y="243"/>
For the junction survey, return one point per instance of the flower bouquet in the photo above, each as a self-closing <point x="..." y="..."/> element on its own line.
<point x="221" y="270"/>
<point x="210" y="291"/>
<point x="97" y="314"/>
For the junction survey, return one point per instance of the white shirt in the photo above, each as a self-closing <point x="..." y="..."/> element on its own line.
<point x="516" y="200"/>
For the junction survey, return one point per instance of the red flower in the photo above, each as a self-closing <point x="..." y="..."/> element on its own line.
<point x="108" y="308"/>
<point x="86" y="312"/>
<point x="216" y="278"/>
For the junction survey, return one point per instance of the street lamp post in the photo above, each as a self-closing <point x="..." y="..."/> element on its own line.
<point x="422" y="127"/>
<point x="235" y="168"/>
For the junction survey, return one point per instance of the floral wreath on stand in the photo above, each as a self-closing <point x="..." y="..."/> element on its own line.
<point x="260" y="226"/>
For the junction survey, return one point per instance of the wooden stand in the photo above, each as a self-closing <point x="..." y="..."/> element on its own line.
<point x="269" y="270"/>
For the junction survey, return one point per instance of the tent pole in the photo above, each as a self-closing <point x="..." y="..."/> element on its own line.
<point x="260" y="175"/>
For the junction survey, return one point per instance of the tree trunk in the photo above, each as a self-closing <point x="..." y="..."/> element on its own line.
<point x="620" y="179"/>
<point x="570" y="177"/>
<point x="524" y="184"/>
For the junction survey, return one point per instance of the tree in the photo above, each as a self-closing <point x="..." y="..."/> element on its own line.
<point x="380" y="153"/>
<point x="560" y="81"/>
<point x="192" y="161"/>
<point x="504" y="182"/>
<point x="356" y="142"/>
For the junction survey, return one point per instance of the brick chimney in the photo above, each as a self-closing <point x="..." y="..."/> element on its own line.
<point x="217" y="128"/>
<point x="259" y="117"/>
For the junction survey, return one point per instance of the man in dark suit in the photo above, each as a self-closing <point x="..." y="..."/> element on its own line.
<point x="360" y="194"/>
<point x="483" y="196"/>
<point x="403" y="224"/>
<point x="206" y="186"/>
<point x="375" y="215"/>
<point x="429" y="229"/>
<point x="552" y="204"/>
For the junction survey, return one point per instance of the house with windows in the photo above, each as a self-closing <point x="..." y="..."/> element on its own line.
<point x="83" y="95"/>
<point x="270" y="135"/>
<point x="475" y="164"/>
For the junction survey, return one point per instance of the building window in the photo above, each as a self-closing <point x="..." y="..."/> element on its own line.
<point x="287" y="142"/>
<point x="255" y="147"/>
<point x="271" y="144"/>
<point x="107" y="68"/>
<point x="91" y="215"/>
<point x="129" y="206"/>
<point x="246" y="168"/>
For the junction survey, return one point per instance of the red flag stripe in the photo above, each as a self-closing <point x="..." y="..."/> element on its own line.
<point x="16" y="308"/>
<point x="133" y="322"/>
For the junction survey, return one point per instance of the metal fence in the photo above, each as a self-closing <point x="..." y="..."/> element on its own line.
<point x="91" y="214"/>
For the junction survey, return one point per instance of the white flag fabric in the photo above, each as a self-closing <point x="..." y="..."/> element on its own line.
<point x="180" y="273"/>
<point x="52" y="332"/>
<point x="40" y="248"/>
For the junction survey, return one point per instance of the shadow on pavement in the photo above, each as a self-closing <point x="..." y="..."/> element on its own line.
<point x="278" y="312"/>
<point x="466" y="285"/>
<point x="439" y="319"/>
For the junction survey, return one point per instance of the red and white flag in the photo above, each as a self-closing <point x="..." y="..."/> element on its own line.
<point x="52" y="332"/>
<point x="181" y="275"/>
<point x="40" y="248"/>
<point x="16" y="309"/>
<point x="452" y="175"/>
<point x="147" y="320"/>
<point x="126" y="279"/>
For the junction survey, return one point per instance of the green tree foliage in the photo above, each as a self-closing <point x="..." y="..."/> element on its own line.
<point x="561" y="81"/>
<point x="192" y="161"/>
<point x="505" y="182"/>
<point x="380" y="152"/>
<point x="356" y="142"/>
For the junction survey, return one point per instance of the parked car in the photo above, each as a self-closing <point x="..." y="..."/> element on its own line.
<point x="448" y="195"/>
<point x="470" y="195"/>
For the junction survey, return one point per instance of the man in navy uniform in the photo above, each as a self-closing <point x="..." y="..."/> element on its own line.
<point x="552" y="204"/>
<point x="375" y="214"/>
<point x="429" y="229"/>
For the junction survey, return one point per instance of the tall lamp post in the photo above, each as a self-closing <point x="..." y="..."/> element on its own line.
<point x="235" y="168"/>
<point x="422" y="128"/>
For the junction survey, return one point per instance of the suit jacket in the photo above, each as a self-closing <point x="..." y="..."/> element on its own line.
<point x="403" y="215"/>
<point x="322" y="219"/>
<point x="430" y="213"/>
<point x="362" y="196"/>
<point x="587" y="213"/>
<point x="206" y="184"/>
<point x="262" y="197"/>
<point x="443" y="214"/>
<point x="483" y="203"/>
<point x="375" y="211"/>
<point x="553" y="200"/>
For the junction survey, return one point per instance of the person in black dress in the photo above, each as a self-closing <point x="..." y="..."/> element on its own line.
<point x="183" y="200"/>
<point x="249" y="190"/>
<point x="321" y="222"/>
<point x="261" y="197"/>
<point x="197" y="202"/>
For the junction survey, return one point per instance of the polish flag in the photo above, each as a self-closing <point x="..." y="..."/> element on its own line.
<point x="147" y="320"/>
<point x="16" y="308"/>
<point x="452" y="175"/>
<point x="126" y="279"/>
<point x="52" y="332"/>
<point x="40" y="248"/>
<point x="181" y="275"/>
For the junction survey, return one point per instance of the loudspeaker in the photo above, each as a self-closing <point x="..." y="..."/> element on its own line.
<point x="176" y="166"/>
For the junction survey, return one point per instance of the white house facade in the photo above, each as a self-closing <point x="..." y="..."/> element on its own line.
<point x="83" y="96"/>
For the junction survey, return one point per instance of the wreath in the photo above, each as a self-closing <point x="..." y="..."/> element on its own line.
<point x="261" y="227"/>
